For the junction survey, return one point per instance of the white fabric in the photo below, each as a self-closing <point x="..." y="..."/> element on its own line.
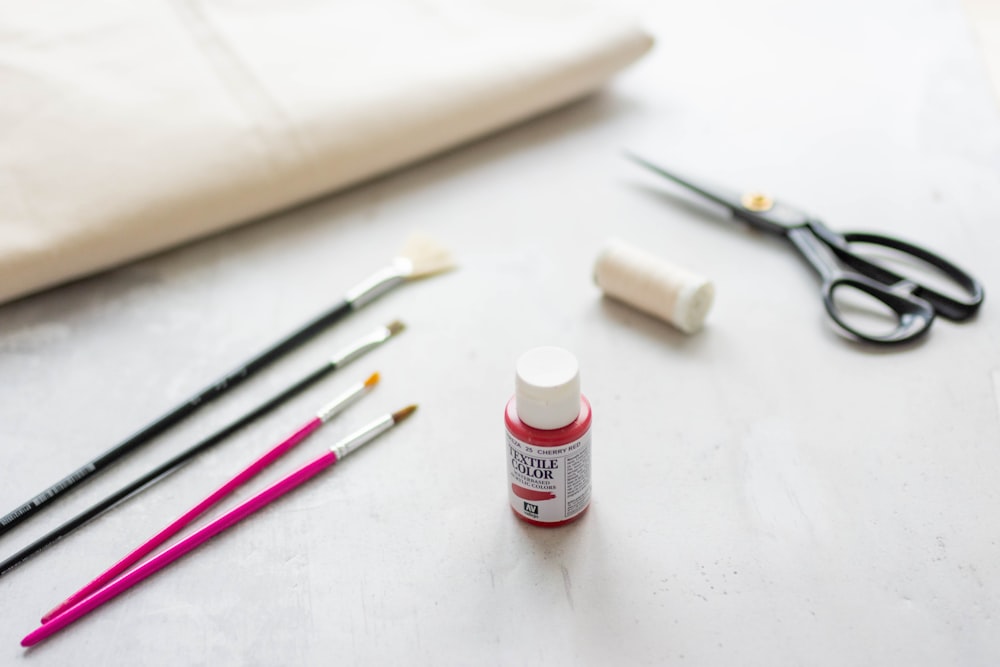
<point x="984" y="19"/>
<point x="127" y="127"/>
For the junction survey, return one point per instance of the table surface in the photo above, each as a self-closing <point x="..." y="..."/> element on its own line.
<point x="765" y="493"/>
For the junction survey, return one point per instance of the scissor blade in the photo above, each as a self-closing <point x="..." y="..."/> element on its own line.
<point x="729" y="199"/>
<point x="775" y="218"/>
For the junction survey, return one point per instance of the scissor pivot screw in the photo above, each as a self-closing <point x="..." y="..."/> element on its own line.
<point x="757" y="202"/>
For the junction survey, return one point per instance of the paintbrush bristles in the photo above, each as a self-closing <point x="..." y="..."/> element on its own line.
<point x="425" y="256"/>
<point x="400" y="415"/>
<point x="395" y="327"/>
<point x="372" y="380"/>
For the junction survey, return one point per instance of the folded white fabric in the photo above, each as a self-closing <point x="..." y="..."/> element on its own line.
<point x="127" y="127"/>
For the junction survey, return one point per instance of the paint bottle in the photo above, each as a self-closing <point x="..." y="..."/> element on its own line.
<point x="548" y="439"/>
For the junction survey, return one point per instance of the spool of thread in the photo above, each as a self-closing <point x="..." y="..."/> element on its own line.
<point x="653" y="285"/>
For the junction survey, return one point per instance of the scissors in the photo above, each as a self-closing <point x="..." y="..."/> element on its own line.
<point x="831" y="255"/>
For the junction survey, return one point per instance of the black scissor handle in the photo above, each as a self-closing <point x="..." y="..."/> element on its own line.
<point x="946" y="306"/>
<point x="914" y="315"/>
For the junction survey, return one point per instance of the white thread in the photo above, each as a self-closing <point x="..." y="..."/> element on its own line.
<point x="653" y="285"/>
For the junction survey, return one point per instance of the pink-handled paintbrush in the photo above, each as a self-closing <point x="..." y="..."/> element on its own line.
<point x="268" y="495"/>
<point x="269" y="457"/>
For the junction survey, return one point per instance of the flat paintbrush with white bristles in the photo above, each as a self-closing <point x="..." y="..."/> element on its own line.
<point x="420" y="257"/>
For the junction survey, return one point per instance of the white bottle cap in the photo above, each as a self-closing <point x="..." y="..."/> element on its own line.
<point x="547" y="388"/>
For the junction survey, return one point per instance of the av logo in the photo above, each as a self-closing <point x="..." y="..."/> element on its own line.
<point x="531" y="509"/>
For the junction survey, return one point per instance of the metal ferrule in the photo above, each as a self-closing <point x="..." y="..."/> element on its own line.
<point x="362" y="436"/>
<point x="379" y="283"/>
<point x="366" y="344"/>
<point x="338" y="404"/>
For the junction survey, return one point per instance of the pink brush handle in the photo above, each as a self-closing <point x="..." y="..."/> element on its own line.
<point x="150" y="545"/>
<point x="189" y="543"/>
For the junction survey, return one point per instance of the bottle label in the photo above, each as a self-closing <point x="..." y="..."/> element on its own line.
<point x="549" y="484"/>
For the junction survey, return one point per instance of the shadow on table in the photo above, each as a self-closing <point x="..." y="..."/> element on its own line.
<point x="638" y="323"/>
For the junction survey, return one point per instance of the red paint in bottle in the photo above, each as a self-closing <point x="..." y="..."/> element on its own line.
<point x="548" y="440"/>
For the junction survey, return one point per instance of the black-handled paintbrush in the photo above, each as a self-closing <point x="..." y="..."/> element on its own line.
<point x="420" y="257"/>
<point x="339" y="360"/>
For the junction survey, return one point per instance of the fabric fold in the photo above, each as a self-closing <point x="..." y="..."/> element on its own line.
<point x="126" y="128"/>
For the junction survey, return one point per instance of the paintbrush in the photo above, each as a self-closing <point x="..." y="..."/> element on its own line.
<point x="420" y="257"/>
<point x="339" y="360"/>
<point x="333" y="408"/>
<point x="268" y="495"/>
